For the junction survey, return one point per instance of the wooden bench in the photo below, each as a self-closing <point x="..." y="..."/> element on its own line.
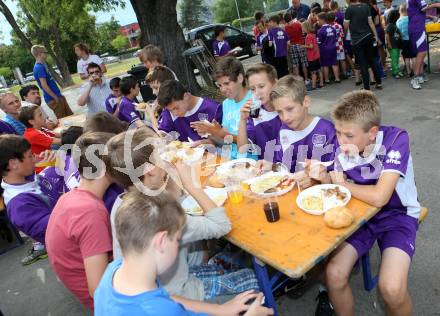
<point x="370" y="282"/>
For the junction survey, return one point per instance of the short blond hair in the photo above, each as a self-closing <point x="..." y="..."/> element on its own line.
<point x="308" y="27"/>
<point x="359" y="107"/>
<point x="289" y="86"/>
<point x="37" y="49"/>
<point x="140" y="217"/>
<point x="151" y="53"/>
<point x="268" y="69"/>
<point x="4" y="95"/>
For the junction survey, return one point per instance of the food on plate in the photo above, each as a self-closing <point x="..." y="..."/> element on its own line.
<point x="238" y="170"/>
<point x="214" y="181"/>
<point x="312" y="203"/>
<point x="335" y="192"/>
<point x="338" y="217"/>
<point x="271" y="183"/>
<point x="176" y="150"/>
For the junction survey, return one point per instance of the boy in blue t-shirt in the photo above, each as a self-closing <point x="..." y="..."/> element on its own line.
<point x="52" y="94"/>
<point x="230" y="76"/>
<point x="374" y="162"/>
<point x="148" y="230"/>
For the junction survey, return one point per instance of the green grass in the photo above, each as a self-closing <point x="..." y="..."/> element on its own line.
<point x="113" y="70"/>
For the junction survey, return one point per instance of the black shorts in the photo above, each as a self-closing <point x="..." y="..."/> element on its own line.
<point x="314" y="65"/>
<point x="407" y="51"/>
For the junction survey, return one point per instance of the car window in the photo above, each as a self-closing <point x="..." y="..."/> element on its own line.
<point x="232" y="32"/>
<point x="207" y="34"/>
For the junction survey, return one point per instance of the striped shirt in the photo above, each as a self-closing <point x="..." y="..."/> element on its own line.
<point x="16" y="124"/>
<point x="97" y="96"/>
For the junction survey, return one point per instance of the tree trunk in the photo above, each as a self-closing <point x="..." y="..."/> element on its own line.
<point x="158" y="23"/>
<point x="11" y="20"/>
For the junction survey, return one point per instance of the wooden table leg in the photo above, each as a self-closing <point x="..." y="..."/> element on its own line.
<point x="265" y="284"/>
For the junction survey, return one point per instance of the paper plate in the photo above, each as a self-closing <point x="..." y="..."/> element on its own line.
<point x="218" y="195"/>
<point x="197" y="154"/>
<point x="316" y="192"/>
<point x="227" y="169"/>
<point x="270" y="179"/>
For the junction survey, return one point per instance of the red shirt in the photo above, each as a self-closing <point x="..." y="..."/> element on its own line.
<point x="40" y="140"/>
<point x="312" y="53"/>
<point x="294" y="30"/>
<point x="78" y="228"/>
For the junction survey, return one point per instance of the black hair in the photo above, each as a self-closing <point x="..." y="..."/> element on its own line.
<point x="315" y="5"/>
<point x="115" y="83"/>
<point x="127" y="83"/>
<point x="316" y="10"/>
<point x="287" y="17"/>
<point x="70" y="135"/>
<point x="258" y="15"/>
<point x="24" y="91"/>
<point x="330" y="18"/>
<point x="393" y="16"/>
<point x="93" y="65"/>
<point x="27" y="113"/>
<point x="11" y="147"/>
<point x="275" y="18"/>
<point x="219" y="29"/>
<point x="322" y="16"/>
<point x="170" y="90"/>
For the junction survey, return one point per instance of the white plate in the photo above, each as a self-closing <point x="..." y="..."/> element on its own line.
<point x="218" y="195"/>
<point x="226" y="169"/>
<point x="269" y="174"/>
<point x="317" y="192"/>
<point x="181" y="153"/>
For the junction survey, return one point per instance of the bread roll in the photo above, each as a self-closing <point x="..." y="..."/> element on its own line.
<point x="338" y="217"/>
<point x="215" y="182"/>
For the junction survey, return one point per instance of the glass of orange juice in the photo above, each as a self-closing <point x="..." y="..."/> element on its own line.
<point x="235" y="194"/>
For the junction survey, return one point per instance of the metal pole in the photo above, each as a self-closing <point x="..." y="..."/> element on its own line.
<point x="238" y="14"/>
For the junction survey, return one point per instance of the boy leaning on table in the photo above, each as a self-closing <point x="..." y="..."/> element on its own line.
<point x="188" y="279"/>
<point x="382" y="175"/>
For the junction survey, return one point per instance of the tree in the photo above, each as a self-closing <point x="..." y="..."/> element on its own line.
<point x="15" y="55"/>
<point x="225" y="11"/>
<point x="120" y="42"/>
<point x="158" y="23"/>
<point x="6" y="72"/>
<point x="105" y="33"/>
<point x="193" y="13"/>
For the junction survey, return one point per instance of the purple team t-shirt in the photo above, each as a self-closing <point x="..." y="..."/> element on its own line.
<point x="316" y="141"/>
<point x="51" y="182"/>
<point x="5" y="128"/>
<point x="340" y="18"/>
<point x="263" y="132"/>
<point x="111" y="103"/>
<point x="416" y="16"/>
<point x="279" y="38"/>
<point x="220" y="48"/>
<point x="205" y="109"/>
<point x="391" y="153"/>
<point x="327" y="38"/>
<point x="127" y="111"/>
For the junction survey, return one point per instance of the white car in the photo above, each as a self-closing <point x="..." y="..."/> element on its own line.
<point x="111" y="59"/>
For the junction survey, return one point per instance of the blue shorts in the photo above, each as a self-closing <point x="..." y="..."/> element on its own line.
<point x="390" y="229"/>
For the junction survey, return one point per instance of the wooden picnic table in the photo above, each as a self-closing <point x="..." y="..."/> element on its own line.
<point x="294" y="244"/>
<point x="71" y="120"/>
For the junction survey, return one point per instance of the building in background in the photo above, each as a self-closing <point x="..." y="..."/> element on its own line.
<point x="132" y="32"/>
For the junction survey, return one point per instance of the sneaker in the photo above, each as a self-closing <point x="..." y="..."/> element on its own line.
<point x="324" y="307"/>
<point x="425" y="78"/>
<point x="290" y="286"/>
<point x="415" y="84"/>
<point x="33" y="256"/>
<point x="419" y="79"/>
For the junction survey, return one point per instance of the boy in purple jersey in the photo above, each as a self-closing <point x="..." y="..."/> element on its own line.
<point x="27" y="206"/>
<point x="112" y="101"/>
<point x="374" y="162"/>
<point x="417" y="36"/>
<point x="278" y="39"/>
<point x="260" y="132"/>
<point x="302" y="136"/>
<point x="127" y="110"/>
<point x="220" y="46"/>
<point x="182" y="110"/>
<point x="327" y="39"/>
<point x="262" y="43"/>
